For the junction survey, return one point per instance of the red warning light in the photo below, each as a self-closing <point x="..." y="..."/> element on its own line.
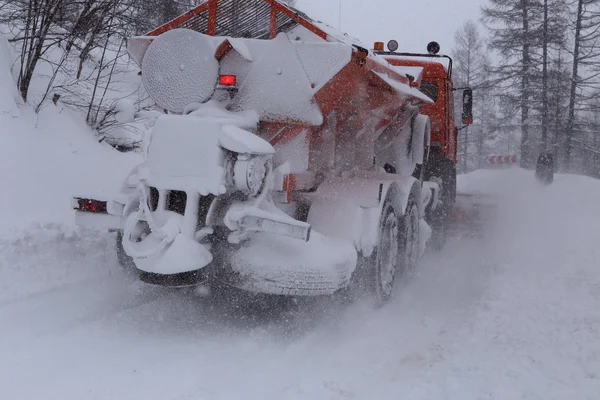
<point x="227" y="80"/>
<point x="92" y="206"/>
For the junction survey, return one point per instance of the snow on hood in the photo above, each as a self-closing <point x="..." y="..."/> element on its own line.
<point x="424" y="60"/>
<point x="415" y="72"/>
<point x="403" y="89"/>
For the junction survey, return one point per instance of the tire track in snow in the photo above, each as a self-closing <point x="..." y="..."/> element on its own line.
<point x="50" y="291"/>
<point x="152" y="343"/>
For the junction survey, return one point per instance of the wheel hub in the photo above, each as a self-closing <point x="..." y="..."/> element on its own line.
<point x="388" y="253"/>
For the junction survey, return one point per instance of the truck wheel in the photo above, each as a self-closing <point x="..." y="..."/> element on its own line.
<point x="125" y="261"/>
<point x="384" y="260"/>
<point x="438" y="221"/>
<point x="452" y="193"/>
<point x="445" y="169"/>
<point x="409" y="239"/>
<point x="396" y="253"/>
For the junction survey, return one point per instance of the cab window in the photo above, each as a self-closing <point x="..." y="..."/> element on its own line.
<point x="430" y="89"/>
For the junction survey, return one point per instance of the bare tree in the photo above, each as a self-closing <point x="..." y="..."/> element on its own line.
<point x="471" y="64"/>
<point x="511" y="24"/>
<point x="35" y="19"/>
<point x="585" y="56"/>
<point x="522" y="32"/>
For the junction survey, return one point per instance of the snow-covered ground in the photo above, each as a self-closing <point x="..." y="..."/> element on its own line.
<point x="510" y="312"/>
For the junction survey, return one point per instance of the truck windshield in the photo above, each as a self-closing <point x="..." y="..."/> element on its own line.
<point x="430" y="89"/>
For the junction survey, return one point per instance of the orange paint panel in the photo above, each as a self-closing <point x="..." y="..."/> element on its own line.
<point x="273" y="27"/>
<point x="212" y="17"/>
<point x="289" y="185"/>
<point x="351" y="102"/>
<point x="223" y="49"/>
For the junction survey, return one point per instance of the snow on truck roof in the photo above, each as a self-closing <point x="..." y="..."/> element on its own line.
<point x="413" y="71"/>
<point x="251" y="19"/>
<point x="420" y="60"/>
<point x="177" y="54"/>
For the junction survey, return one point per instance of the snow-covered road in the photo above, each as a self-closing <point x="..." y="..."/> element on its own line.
<point x="509" y="313"/>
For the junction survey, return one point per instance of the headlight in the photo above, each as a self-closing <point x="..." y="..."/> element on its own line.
<point x="250" y="173"/>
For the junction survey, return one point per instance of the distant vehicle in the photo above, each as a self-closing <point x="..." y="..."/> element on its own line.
<point x="291" y="160"/>
<point x="544" y="168"/>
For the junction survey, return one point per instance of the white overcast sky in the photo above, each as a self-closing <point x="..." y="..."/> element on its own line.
<point x="413" y="23"/>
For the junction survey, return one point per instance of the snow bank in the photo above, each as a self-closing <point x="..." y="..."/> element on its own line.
<point x="47" y="158"/>
<point x="537" y="324"/>
<point x="42" y="166"/>
<point x="9" y="96"/>
<point x="500" y="183"/>
<point x="124" y="111"/>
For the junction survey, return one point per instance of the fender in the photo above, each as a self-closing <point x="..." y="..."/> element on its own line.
<point x="350" y="208"/>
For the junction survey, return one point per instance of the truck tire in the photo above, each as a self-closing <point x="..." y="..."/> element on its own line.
<point x="383" y="263"/>
<point x="396" y="255"/>
<point x="438" y="222"/>
<point x="125" y="261"/>
<point x="409" y="239"/>
<point x="445" y="169"/>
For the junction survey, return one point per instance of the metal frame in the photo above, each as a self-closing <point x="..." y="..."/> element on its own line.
<point x="257" y="19"/>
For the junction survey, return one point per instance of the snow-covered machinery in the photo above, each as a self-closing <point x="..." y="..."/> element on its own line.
<point x="288" y="160"/>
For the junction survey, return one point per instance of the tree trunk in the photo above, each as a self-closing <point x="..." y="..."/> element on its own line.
<point x="544" y="144"/>
<point x="525" y="153"/>
<point x="573" y="92"/>
<point x="40" y="17"/>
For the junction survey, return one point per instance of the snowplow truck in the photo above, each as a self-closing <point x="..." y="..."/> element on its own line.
<point x="289" y="160"/>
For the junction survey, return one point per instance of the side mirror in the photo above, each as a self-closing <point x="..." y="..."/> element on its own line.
<point x="467" y="114"/>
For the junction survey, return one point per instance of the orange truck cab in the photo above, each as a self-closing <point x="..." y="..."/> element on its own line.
<point x="438" y="86"/>
<point x="436" y="82"/>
